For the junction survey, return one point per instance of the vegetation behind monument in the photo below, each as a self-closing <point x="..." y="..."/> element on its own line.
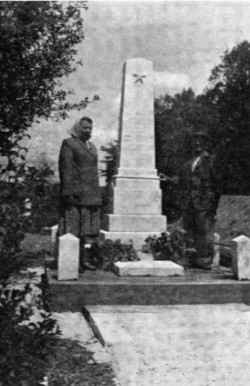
<point x="222" y="110"/>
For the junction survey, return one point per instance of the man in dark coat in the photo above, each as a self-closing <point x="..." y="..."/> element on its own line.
<point x="79" y="186"/>
<point x="200" y="192"/>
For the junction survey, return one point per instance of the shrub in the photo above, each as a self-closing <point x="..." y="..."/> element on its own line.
<point x="27" y="333"/>
<point x="43" y="195"/>
<point x="38" y="48"/>
<point x="105" y="253"/>
<point x="171" y="245"/>
<point x="12" y="229"/>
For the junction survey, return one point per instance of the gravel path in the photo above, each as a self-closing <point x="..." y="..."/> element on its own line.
<point x="199" y="345"/>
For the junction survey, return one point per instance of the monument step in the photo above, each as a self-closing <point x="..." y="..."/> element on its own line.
<point x="138" y="238"/>
<point x="137" y="201"/>
<point x="137" y="183"/>
<point x="105" y="288"/>
<point x="143" y="223"/>
<point x="148" y="268"/>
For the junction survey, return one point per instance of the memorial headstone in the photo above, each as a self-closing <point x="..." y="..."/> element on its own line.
<point x="241" y="259"/>
<point x="137" y="194"/>
<point x="68" y="257"/>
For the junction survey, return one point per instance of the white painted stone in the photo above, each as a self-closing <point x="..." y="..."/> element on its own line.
<point x="137" y="193"/>
<point x="68" y="257"/>
<point x="216" y="257"/>
<point x="148" y="268"/>
<point x="241" y="259"/>
<point x="53" y="239"/>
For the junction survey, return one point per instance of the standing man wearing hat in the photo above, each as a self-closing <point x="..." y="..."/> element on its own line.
<point x="200" y="193"/>
<point x="79" y="187"/>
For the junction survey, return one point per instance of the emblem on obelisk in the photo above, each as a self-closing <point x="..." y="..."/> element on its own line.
<point x="139" y="78"/>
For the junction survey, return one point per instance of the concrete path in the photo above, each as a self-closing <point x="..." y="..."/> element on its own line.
<point x="197" y="345"/>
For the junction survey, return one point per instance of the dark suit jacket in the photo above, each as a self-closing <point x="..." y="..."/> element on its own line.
<point x="78" y="172"/>
<point x="200" y="189"/>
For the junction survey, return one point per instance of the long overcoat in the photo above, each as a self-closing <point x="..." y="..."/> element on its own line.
<point x="79" y="173"/>
<point x="200" y="189"/>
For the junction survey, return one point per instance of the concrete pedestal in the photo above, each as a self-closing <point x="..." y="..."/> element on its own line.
<point x="148" y="268"/>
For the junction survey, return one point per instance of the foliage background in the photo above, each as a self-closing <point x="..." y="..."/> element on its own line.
<point x="223" y="112"/>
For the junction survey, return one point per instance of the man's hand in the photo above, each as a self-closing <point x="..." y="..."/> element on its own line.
<point x="162" y="177"/>
<point x="173" y="180"/>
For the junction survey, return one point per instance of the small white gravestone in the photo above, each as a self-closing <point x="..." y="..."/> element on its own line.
<point x="148" y="268"/>
<point x="53" y="239"/>
<point x="68" y="257"/>
<point x="216" y="257"/>
<point x="241" y="259"/>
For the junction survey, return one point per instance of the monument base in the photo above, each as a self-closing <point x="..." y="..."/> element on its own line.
<point x="194" y="287"/>
<point x="138" y="238"/>
<point x="148" y="268"/>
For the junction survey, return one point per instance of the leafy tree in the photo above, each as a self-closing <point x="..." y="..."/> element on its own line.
<point x="229" y="94"/>
<point x="229" y="88"/>
<point x="38" y="47"/>
<point x="223" y="110"/>
<point x="176" y="117"/>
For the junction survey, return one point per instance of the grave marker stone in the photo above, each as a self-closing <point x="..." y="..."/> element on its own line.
<point x="68" y="257"/>
<point x="241" y="259"/>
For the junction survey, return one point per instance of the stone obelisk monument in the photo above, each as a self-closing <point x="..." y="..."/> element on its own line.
<point x="137" y="194"/>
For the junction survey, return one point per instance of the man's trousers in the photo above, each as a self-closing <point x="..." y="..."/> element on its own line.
<point x="199" y="225"/>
